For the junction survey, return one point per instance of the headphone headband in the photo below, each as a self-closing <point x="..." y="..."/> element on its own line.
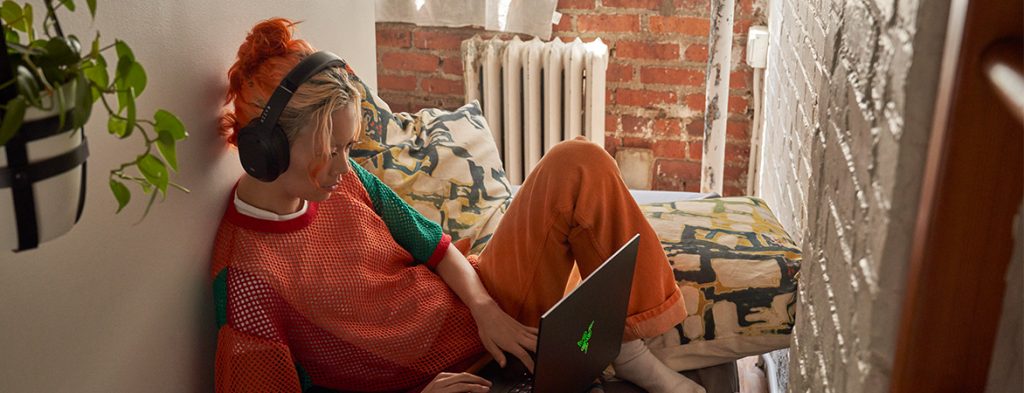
<point x="307" y="68"/>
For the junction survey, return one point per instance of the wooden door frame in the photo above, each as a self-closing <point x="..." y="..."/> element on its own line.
<point x="970" y="193"/>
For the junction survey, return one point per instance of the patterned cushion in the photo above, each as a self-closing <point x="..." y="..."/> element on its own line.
<point x="445" y="164"/>
<point x="737" y="269"/>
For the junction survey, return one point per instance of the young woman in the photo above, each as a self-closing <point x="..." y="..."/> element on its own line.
<point x="324" y="277"/>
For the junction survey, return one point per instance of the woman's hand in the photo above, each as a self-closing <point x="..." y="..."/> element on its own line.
<point x="457" y="383"/>
<point x="500" y="332"/>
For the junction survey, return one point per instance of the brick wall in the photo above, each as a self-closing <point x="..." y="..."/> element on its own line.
<point x="655" y="93"/>
<point x="850" y="93"/>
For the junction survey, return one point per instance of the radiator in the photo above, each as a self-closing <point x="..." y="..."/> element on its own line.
<point x="535" y="94"/>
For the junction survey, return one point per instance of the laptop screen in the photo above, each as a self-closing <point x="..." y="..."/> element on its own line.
<point x="581" y="334"/>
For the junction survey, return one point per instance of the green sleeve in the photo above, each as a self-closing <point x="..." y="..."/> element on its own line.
<point x="414" y="232"/>
<point x="220" y="302"/>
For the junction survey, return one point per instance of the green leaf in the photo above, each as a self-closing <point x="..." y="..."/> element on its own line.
<point x="83" y="101"/>
<point x="39" y="45"/>
<point x="121" y="193"/>
<point x="130" y="74"/>
<point x="11" y="35"/>
<point x="12" y="119"/>
<point x="152" y="198"/>
<point x="130" y="123"/>
<point x="62" y="106"/>
<point x="166" y="121"/>
<point x="117" y="126"/>
<point x="165" y="142"/>
<point x="122" y="100"/>
<point x="154" y="171"/>
<point x="136" y="78"/>
<point x="95" y="50"/>
<point x="27" y="85"/>
<point x="96" y="71"/>
<point x="70" y="4"/>
<point x="58" y="52"/>
<point x="124" y="64"/>
<point x="125" y="58"/>
<point x="11" y="13"/>
<point x="92" y="7"/>
<point x="123" y="50"/>
<point x="27" y="14"/>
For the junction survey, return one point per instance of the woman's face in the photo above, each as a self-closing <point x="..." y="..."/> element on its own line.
<point x="295" y="180"/>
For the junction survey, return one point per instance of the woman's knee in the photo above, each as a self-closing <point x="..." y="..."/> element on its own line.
<point x="579" y="151"/>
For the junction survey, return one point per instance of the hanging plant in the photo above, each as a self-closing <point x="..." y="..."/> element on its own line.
<point x="49" y="84"/>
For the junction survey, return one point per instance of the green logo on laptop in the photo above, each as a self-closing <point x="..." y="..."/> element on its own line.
<point x="584" y="342"/>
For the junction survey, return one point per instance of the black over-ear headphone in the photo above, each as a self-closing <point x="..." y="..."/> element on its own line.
<point x="262" y="144"/>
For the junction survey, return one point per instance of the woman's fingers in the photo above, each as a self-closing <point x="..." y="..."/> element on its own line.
<point x="464" y="382"/>
<point x="527" y="338"/>
<point x="532" y="330"/>
<point x="526" y="330"/>
<point x="464" y="387"/>
<point x="495" y="352"/>
<point x="464" y="378"/>
<point x="529" y="342"/>
<point x="470" y="378"/>
<point x="520" y="353"/>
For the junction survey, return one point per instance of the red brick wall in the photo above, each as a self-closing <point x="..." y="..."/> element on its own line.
<point x="655" y="78"/>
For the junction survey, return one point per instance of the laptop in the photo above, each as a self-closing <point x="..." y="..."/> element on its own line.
<point x="579" y="336"/>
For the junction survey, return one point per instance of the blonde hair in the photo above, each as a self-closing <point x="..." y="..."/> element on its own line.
<point x="313" y="103"/>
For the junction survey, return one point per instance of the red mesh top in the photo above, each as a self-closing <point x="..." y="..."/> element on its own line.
<point x="331" y="299"/>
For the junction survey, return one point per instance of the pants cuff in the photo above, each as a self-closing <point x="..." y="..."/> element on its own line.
<point x="657" y="320"/>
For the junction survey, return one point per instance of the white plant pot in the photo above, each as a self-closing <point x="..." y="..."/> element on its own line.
<point x="56" y="198"/>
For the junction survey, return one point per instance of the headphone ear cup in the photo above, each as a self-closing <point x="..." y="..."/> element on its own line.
<point x="264" y="153"/>
<point x="279" y="149"/>
<point x="252" y="152"/>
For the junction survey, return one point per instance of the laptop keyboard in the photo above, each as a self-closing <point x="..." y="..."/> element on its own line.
<point x="525" y="384"/>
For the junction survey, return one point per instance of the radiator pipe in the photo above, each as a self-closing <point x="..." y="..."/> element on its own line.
<point x="754" y="164"/>
<point x="716" y="105"/>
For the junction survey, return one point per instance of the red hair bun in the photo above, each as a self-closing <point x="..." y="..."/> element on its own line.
<point x="266" y="56"/>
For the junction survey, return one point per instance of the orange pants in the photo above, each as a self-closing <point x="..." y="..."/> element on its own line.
<point x="574" y="207"/>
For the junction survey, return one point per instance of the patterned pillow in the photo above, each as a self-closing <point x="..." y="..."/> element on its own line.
<point x="737" y="269"/>
<point x="445" y="164"/>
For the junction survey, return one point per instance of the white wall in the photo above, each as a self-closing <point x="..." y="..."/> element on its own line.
<point x="850" y="96"/>
<point x="117" y="307"/>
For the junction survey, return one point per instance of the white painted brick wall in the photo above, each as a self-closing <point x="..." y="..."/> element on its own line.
<point x="849" y="95"/>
